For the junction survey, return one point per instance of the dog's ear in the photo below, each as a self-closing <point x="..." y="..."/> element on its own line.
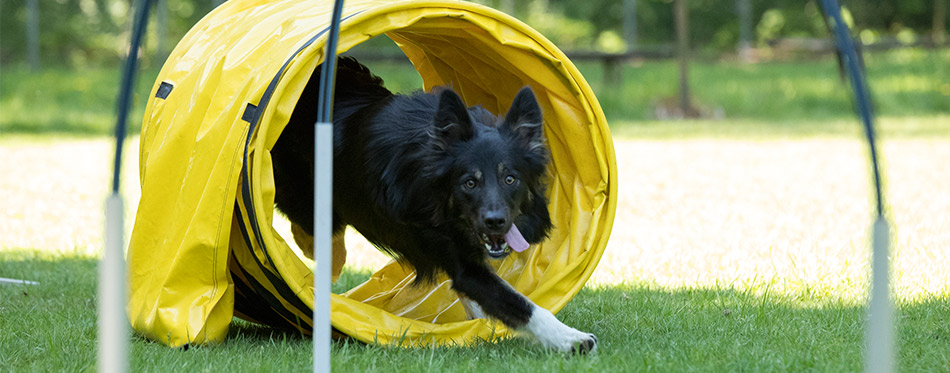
<point x="452" y="123"/>
<point x="524" y="120"/>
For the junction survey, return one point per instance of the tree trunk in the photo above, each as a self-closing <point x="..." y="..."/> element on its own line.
<point x="102" y="7"/>
<point x="744" y="9"/>
<point x="682" y="47"/>
<point x="33" y="34"/>
<point x="630" y="23"/>
<point x="940" y="16"/>
<point x="161" y="30"/>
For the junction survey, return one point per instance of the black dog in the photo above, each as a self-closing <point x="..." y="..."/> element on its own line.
<point x="435" y="184"/>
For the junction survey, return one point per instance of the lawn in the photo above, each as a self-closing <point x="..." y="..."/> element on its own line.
<point x="51" y="327"/>
<point x="780" y="95"/>
<point x="740" y="244"/>
<point x="903" y="82"/>
<point x="727" y="254"/>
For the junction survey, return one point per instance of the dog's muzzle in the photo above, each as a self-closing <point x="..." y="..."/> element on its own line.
<point x="496" y="245"/>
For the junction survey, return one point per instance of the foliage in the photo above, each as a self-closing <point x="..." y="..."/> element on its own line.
<point x="904" y="83"/>
<point x="93" y="32"/>
<point x="89" y="32"/>
<point x="714" y="25"/>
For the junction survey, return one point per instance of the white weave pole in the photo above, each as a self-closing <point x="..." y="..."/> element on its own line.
<point x="880" y="329"/>
<point x="323" y="198"/>
<point x="113" y="326"/>
<point x="880" y="356"/>
<point x="322" y="244"/>
<point x="113" y="354"/>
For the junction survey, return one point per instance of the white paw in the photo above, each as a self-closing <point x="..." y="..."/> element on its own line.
<point x="551" y="333"/>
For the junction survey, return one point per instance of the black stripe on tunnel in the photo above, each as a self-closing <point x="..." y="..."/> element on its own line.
<point x="164" y="90"/>
<point x="280" y="286"/>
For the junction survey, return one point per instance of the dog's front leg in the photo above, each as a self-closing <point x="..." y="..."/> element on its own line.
<point x="472" y="309"/>
<point x="499" y="300"/>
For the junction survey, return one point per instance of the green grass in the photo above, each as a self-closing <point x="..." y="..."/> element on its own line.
<point x="59" y="100"/>
<point x="904" y="83"/>
<point x="783" y="291"/>
<point x="704" y="323"/>
<point x="933" y="126"/>
<point x="51" y="327"/>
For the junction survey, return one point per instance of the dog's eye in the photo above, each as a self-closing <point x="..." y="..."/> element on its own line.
<point x="509" y="180"/>
<point x="470" y="183"/>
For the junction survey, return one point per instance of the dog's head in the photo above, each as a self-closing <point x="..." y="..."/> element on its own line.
<point x="494" y="168"/>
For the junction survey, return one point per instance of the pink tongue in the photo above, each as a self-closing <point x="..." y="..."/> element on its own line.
<point x="515" y="240"/>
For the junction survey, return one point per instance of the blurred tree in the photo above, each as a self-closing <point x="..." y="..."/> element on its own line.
<point x="744" y="10"/>
<point x="33" y="34"/>
<point x="939" y="30"/>
<point x="630" y="23"/>
<point x="109" y="20"/>
<point x="83" y="32"/>
<point x="681" y="11"/>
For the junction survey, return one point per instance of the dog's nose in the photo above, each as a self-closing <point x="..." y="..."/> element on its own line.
<point x="495" y="221"/>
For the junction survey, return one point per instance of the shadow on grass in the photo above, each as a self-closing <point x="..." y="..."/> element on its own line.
<point x="52" y="326"/>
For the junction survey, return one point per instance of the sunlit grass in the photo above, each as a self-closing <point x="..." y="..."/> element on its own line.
<point x="790" y="215"/>
<point x="787" y="213"/>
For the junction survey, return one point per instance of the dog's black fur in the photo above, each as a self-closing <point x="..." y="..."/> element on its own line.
<point x="425" y="179"/>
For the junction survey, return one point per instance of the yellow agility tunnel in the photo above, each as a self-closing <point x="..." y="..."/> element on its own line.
<point x="203" y="248"/>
